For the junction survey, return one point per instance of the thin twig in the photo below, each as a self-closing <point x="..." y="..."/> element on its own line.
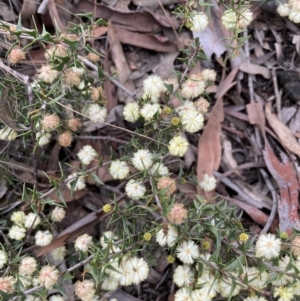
<point x="274" y="205"/>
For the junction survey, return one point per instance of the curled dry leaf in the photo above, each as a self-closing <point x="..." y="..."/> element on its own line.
<point x="283" y="132"/>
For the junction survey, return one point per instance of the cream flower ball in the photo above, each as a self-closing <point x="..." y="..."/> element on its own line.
<point x="96" y="113"/>
<point x="199" y="22"/>
<point x="193" y="87"/>
<point x="149" y="110"/>
<point x="32" y="220"/>
<point x="186" y="107"/>
<point x="142" y="159"/>
<point x="153" y="86"/>
<point x="131" y="112"/>
<point x="187" y="252"/>
<point x="58" y="214"/>
<point x="137" y="270"/>
<point x="167" y="236"/>
<point x="178" y="146"/>
<point x="208" y="183"/>
<point x="16" y="232"/>
<point x="245" y="18"/>
<point x="76" y="182"/>
<point x="183" y="294"/>
<point x="183" y="276"/>
<point x="43" y="138"/>
<point x="229" y="19"/>
<point x="87" y="154"/>
<point x="83" y="242"/>
<point x="43" y="238"/>
<point x="27" y="266"/>
<point x="8" y="134"/>
<point x="47" y="74"/>
<point x="48" y="276"/>
<point x="159" y="169"/>
<point x="226" y="286"/>
<point x="192" y="121"/>
<point x="135" y="189"/>
<point x="18" y="217"/>
<point x="283" y="10"/>
<point x="267" y="246"/>
<point x="3" y="259"/>
<point x="119" y="169"/>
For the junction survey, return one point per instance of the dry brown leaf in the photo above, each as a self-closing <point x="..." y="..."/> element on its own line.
<point x="136" y="21"/>
<point x="255" y="69"/>
<point x="288" y="183"/>
<point x="144" y="40"/>
<point x="256" y="115"/>
<point x="118" y="56"/>
<point x="209" y="146"/>
<point x="5" y="115"/>
<point x="283" y="132"/>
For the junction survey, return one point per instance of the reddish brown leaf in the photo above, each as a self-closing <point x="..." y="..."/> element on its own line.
<point x="286" y="178"/>
<point x="209" y="146"/>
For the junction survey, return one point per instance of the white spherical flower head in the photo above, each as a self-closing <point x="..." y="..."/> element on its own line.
<point x="109" y="284"/>
<point x="183" y="294"/>
<point x="16" y="232"/>
<point x="32" y="220"/>
<point x="186" y="107"/>
<point x="47" y="74"/>
<point x="187" y="252"/>
<point x="153" y="86"/>
<point x="85" y="290"/>
<point x="135" y="189"/>
<point x="159" y="169"/>
<point x="131" y="112"/>
<point x="3" y="259"/>
<point x="8" y="134"/>
<point x="178" y="146"/>
<point x="76" y="182"/>
<point x="208" y="183"/>
<point x="193" y="87"/>
<point x="284" y="293"/>
<point x="84" y="242"/>
<point x="209" y="75"/>
<point x="229" y="19"/>
<point x="256" y="278"/>
<point x="245" y="18"/>
<point x="283" y="9"/>
<point x="59" y="253"/>
<point x="183" y="276"/>
<point x="192" y="121"/>
<point x="48" y="276"/>
<point x="96" y="113"/>
<point x="142" y="159"/>
<point x="43" y="238"/>
<point x="18" y="218"/>
<point x="199" y="22"/>
<point x="294" y="16"/>
<point x="167" y="236"/>
<point x="119" y="169"/>
<point x="285" y="268"/>
<point x="43" y="138"/>
<point x="149" y="110"/>
<point x="226" y="286"/>
<point x="56" y="298"/>
<point x="108" y="239"/>
<point x="87" y="154"/>
<point x="209" y="285"/>
<point x="255" y="298"/>
<point x="137" y="270"/>
<point x="58" y="214"/>
<point x="267" y="246"/>
<point x="27" y="266"/>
